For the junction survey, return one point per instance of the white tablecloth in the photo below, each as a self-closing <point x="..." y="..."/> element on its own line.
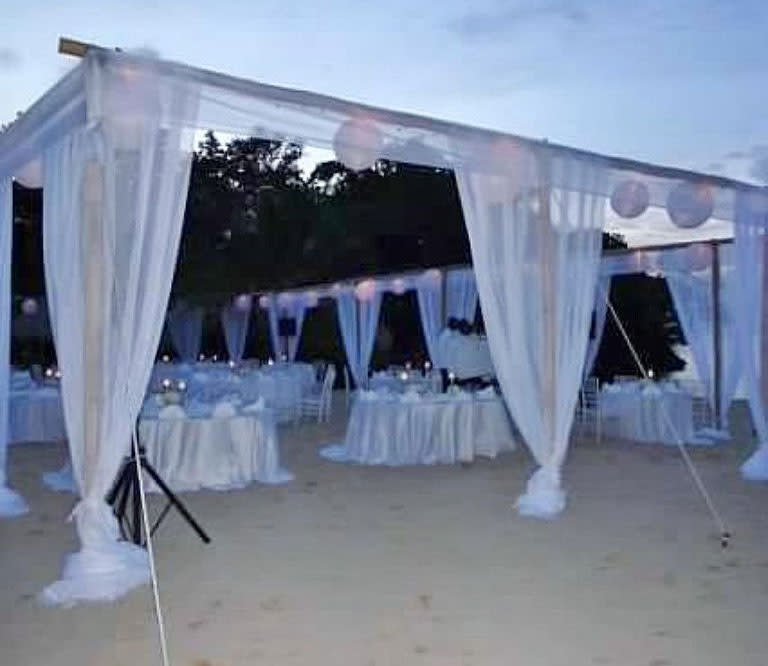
<point x="392" y="381"/>
<point x="637" y="413"/>
<point x="217" y="453"/>
<point x="36" y="415"/>
<point x="430" y="430"/>
<point x="282" y="385"/>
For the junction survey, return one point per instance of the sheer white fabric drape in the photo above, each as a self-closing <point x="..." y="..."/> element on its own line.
<point x="274" y="334"/>
<point x="602" y="292"/>
<point x="113" y="215"/>
<point x="185" y="325"/>
<point x="358" y="321"/>
<point x="429" y="293"/>
<point x="751" y="244"/>
<point x="11" y="503"/>
<point x="536" y="253"/>
<point x="460" y="294"/>
<point x="235" y="318"/>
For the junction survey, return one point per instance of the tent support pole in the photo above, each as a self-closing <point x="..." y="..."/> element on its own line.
<point x="717" y="336"/>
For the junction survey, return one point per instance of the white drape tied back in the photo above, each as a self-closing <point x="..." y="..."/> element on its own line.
<point x="358" y="314"/>
<point x="123" y="184"/>
<point x="536" y="251"/>
<point x="429" y="292"/>
<point x="235" y="317"/>
<point x="460" y="294"/>
<point x="11" y="503"/>
<point x="185" y="326"/>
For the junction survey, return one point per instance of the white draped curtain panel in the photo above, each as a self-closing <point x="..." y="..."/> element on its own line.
<point x="602" y="292"/>
<point x="429" y="292"/>
<point x="123" y="183"/>
<point x="185" y="326"/>
<point x="272" y="317"/>
<point x="235" y="318"/>
<point x="751" y="245"/>
<point x="11" y="503"/>
<point x="358" y="321"/>
<point x="536" y="252"/>
<point x="460" y="294"/>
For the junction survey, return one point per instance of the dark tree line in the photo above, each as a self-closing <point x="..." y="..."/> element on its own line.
<point x="255" y="222"/>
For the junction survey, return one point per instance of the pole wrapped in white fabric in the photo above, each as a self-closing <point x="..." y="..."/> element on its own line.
<point x="460" y="294"/>
<point x="536" y="253"/>
<point x="429" y="293"/>
<point x="751" y="244"/>
<point x="185" y="325"/>
<point x="272" y="316"/>
<point x="113" y="212"/>
<point x="11" y="503"/>
<point x="235" y="317"/>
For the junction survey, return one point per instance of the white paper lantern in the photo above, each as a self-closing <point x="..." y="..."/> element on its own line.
<point x="31" y="174"/>
<point x="398" y="286"/>
<point x="264" y="302"/>
<point x="285" y="299"/>
<point x="358" y="143"/>
<point x="689" y="205"/>
<point x="699" y="257"/>
<point x="365" y="290"/>
<point x="29" y="307"/>
<point x="432" y="277"/>
<point x="630" y="198"/>
<point x="243" y="302"/>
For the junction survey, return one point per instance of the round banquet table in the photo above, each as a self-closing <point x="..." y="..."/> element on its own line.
<point x="427" y="430"/>
<point x="637" y="412"/>
<point x="217" y="453"/>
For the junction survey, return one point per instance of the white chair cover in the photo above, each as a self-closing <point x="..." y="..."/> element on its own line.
<point x="536" y="252"/>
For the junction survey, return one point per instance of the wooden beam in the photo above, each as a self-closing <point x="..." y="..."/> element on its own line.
<point x="73" y="47"/>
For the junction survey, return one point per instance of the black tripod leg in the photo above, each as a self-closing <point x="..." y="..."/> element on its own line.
<point x="175" y="501"/>
<point x="136" y="537"/>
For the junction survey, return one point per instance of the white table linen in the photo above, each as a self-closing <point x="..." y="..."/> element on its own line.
<point x="392" y="381"/>
<point x="203" y="451"/>
<point x="636" y="411"/>
<point x="414" y="430"/>
<point x="35" y="412"/>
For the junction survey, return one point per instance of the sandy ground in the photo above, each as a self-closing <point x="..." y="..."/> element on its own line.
<point x="352" y="565"/>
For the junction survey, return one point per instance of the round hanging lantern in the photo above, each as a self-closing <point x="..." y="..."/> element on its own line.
<point x="264" y="302"/>
<point x="699" y="257"/>
<point x="365" y="290"/>
<point x="29" y="307"/>
<point x="358" y="143"/>
<point x="630" y="199"/>
<point x="31" y="174"/>
<point x="689" y="205"/>
<point x="311" y="299"/>
<point x="433" y="277"/>
<point x="284" y="299"/>
<point x="243" y="302"/>
<point x="398" y="286"/>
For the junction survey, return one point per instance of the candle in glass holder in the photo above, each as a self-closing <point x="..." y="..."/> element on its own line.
<point x="165" y="358"/>
<point x="451" y="377"/>
<point x="270" y="362"/>
<point x="231" y="364"/>
<point x="57" y="374"/>
<point x="181" y="385"/>
<point x="427" y="366"/>
<point x="49" y="373"/>
<point x="201" y="357"/>
<point x="650" y="374"/>
<point x="404" y="376"/>
<point x="407" y="365"/>
<point x="166" y="384"/>
<point x="283" y="357"/>
<point x="215" y="358"/>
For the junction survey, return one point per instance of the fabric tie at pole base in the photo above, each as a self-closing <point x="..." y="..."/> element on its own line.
<point x="755" y="468"/>
<point x="544" y="497"/>
<point x="105" y="568"/>
<point x="62" y="480"/>
<point x="11" y="503"/>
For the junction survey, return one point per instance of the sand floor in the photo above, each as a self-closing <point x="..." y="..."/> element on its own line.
<point x="369" y="566"/>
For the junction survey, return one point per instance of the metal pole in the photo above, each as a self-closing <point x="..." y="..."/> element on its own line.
<point x="717" y="336"/>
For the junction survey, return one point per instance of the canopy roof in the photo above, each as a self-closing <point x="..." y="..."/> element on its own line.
<point x="114" y="86"/>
